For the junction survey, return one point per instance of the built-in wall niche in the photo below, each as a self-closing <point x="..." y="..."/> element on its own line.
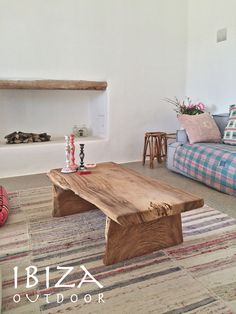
<point x="54" y="112"/>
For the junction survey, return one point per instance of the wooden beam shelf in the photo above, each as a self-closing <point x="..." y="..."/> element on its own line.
<point x="53" y="84"/>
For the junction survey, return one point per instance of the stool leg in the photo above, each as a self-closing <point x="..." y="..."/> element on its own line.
<point x="156" y="148"/>
<point x="151" y="152"/>
<point x="145" y="149"/>
<point x="159" y="149"/>
<point x="163" y="146"/>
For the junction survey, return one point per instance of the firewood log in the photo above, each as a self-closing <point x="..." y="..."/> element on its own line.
<point x="23" y="137"/>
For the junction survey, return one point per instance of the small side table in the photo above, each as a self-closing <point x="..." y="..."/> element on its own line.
<point x="156" y="144"/>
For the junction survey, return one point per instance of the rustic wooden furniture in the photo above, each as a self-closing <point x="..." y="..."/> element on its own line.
<point x="53" y="84"/>
<point x="143" y="214"/>
<point x="171" y="136"/>
<point x="156" y="144"/>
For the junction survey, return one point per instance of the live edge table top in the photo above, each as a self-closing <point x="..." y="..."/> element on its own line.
<point x="126" y="196"/>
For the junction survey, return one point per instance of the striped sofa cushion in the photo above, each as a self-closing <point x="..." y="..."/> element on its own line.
<point x="4" y="206"/>
<point x="230" y="130"/>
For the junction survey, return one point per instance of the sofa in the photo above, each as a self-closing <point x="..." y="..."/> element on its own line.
<point x="210" y="163"/>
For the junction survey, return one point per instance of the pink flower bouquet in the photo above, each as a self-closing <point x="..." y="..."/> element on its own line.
<point x="186" y="106"/>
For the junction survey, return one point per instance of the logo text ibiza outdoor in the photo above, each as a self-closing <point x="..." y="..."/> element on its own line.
<point x="32" y="280"/>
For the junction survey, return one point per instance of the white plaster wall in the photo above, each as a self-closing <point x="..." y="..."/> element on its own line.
<point x="211" y="66"/>
<point x="138" y="46"/>
<point x="54" y="112"/>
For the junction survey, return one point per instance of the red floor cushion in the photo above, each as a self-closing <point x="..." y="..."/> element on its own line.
<point x="4" y="206"/>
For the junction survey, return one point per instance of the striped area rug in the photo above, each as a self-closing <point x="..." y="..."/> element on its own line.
<point x="198" y="276"/>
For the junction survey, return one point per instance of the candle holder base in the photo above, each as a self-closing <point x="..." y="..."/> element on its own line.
<point x="74" y="167"/>
<point x="68" y="170"/>
<point x="82" y="168"/>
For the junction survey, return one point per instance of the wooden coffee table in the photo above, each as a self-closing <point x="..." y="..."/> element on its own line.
<point x="143" y="214"/>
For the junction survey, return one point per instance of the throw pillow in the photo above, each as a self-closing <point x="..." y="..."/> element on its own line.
<point x="4" y="206"/>
<point x="0" y="291"/>
<point x="230" y="130"/>
<point x="221" y="120"/>
<point x="200" y="128"/>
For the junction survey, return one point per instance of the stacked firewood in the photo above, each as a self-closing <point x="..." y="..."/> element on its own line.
<point x="22" y="137"/>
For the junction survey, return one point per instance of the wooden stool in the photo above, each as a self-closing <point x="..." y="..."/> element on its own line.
<point x="156" y="143"/>
<point x="171" y="136"/>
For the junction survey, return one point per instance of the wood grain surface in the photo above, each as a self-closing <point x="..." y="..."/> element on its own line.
<point x="53" y="84"/>
<point x="126" y="196"/>
<point x="126" y="242"/>
<point x="67" y="203"/>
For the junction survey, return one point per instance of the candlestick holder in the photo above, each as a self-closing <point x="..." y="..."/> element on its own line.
<point x="73" y="165"/>
<point x="67" y="168"/>
<point x="81" y="155"/>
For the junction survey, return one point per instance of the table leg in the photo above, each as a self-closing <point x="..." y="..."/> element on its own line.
<point x="66" y="202"/>
<point x="126" y="242"/>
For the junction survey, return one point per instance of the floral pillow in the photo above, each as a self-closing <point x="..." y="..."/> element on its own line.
<point x="200" y="128"/>
<point x="230" y="130"/>
<point x="4" y="206"/>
